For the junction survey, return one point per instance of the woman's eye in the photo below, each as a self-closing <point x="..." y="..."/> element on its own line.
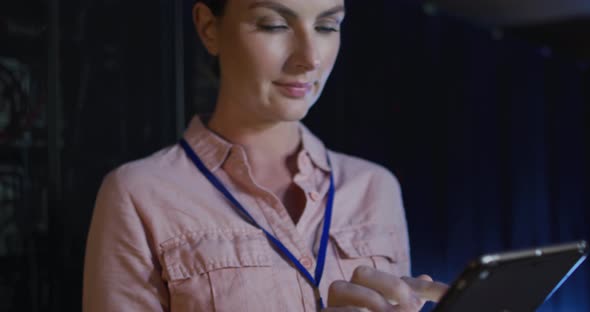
<point x="273" y="28"/>
<point x="326" y="29"/>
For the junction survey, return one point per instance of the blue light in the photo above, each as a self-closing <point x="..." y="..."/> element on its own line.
<point x="571" y="271"/>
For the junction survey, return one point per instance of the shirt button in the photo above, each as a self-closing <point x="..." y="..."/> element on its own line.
<point x="315" y="196"/>
<point x="306" y="262"/>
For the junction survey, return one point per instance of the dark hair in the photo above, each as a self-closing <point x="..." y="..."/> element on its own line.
<point x="216" y="6"/>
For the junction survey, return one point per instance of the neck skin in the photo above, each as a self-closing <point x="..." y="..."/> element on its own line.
<point x="270" y="146"/>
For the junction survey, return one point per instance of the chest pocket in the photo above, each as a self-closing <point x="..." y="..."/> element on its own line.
<point x="223" y="270"/>
<point x="370" y="245"/>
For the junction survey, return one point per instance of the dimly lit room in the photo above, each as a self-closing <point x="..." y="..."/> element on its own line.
<point x="471" y="117"/>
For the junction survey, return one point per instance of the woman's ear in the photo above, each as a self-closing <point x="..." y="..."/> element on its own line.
<point x="206" y="26"/>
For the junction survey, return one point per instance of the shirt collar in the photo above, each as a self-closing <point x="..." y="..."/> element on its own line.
<point x="315" y="148"/>
<point x="214" y="150"/>
<point x="211" y="148"/>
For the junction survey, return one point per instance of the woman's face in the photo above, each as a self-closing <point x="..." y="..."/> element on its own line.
<point x="276" y="56"/>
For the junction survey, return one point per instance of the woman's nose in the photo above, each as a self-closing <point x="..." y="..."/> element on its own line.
<point x="306" y="56"/>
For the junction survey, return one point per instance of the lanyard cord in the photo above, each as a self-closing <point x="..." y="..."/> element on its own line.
<point x="319" y="270"/>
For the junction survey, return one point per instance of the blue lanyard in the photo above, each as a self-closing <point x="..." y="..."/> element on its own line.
<point x="319" y="270"/>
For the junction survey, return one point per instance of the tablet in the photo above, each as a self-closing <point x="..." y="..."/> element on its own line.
<point x="514" y="281"/>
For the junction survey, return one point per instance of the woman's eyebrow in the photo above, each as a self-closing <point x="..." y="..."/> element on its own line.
<point x="287" y="12"/>
<point x="277" y="7"/>
<point x="332" y="11"/>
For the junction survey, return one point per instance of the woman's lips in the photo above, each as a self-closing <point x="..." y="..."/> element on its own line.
<point x="294" y="90"/>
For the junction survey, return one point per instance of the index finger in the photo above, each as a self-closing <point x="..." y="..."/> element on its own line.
<point x="385" y="283"/>
<point x="389" y="286"/>
<point x="428" y="290"/>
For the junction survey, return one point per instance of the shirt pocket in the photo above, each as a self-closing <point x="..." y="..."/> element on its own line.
<point x="369" y="245"/>
<point x="220" y="270"/>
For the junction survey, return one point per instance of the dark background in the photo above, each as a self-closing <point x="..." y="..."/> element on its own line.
<point x="487" y="127"/>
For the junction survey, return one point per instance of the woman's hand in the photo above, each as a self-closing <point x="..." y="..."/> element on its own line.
<point x="380" y="291"/>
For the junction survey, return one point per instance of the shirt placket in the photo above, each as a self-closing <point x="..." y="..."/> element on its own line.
<point x="311" y="220"/>
<point x="277" y="221"/>
<point x="313" y="214"/>
<point x="285" y="231"/>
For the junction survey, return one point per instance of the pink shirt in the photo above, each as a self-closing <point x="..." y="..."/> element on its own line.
<point x="163" y="238"/>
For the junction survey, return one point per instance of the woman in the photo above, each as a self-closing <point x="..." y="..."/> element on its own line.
<point x="250" y="212"/>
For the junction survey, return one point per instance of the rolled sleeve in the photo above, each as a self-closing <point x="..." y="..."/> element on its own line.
<point x="389" y="191"/>
<point x="396" y="199"/>
<point x="121" y="270"/>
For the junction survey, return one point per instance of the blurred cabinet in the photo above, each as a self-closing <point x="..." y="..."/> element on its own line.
<point x="24" y="150"/>
<point x="85" y="86"/>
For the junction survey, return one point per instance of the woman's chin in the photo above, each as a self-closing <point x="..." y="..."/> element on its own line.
<point x="291" y="109"/>
<point x="293" y="115"/>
